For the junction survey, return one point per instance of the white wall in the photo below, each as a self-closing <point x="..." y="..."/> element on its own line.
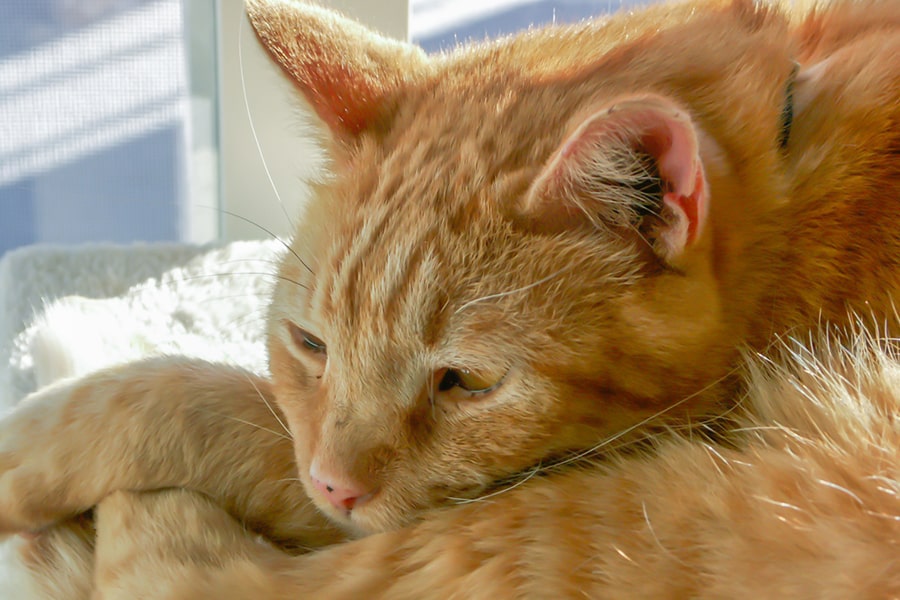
<point x="284" y="125"/>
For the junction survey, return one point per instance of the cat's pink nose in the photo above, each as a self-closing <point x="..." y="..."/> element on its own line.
<point x="342" y="495"/>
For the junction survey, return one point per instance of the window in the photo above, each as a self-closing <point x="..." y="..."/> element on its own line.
<point x="126" y="120"/>
<point x="103" y="133"/>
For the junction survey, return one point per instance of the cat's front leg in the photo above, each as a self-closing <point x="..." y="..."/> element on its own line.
<point x="176" y="544"/>
<point x="149" y="425"/>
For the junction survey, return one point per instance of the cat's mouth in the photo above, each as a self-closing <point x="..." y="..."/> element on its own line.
<point x="346" y="518"/>
<point x="358" y="516"/>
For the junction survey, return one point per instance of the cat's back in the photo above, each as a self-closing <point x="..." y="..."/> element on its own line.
<point x="843" y="158"/>
<point x="847" y="93"/>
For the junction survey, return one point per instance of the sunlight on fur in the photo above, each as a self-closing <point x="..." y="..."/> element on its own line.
<point x="508" y="345"/>
<point x="804" y="488"/>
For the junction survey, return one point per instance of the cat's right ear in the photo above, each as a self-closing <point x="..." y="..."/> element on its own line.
<point x="348" y="73"/>
<point x="632" y="165"/>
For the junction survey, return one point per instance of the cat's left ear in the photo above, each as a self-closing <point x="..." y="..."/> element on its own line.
<point x="632" y="162"/>
<point x="347" y="72"/>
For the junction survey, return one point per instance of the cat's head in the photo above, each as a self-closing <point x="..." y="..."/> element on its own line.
<point x="520" y="253"/>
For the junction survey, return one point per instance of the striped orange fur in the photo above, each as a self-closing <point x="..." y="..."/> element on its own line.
<point x="550" y="246"/>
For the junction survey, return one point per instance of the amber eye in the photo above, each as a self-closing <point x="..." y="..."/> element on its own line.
<point x="306" y="341"/>
<point x="473" y="383"/>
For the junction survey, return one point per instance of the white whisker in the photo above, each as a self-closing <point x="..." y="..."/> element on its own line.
<point x="250" y="423"/>
<point x="515" y="291"/>
<point x="250" y="116"/>
<point x="271" y="410"/>
<point x="531" y="474"/>
<point x="290" y="479"/>
<point x="641" y="423"/>
<point x="656" y="538"/>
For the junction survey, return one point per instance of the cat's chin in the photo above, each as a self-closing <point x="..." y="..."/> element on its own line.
<point x="358" y="522"/>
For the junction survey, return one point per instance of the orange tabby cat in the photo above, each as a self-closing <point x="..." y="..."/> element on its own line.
<point x="804" y="504"/>
<point x="528" y="249"/>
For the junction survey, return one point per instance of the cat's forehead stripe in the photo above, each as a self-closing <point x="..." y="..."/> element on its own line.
<point x="351" y="256"/>
<point x="387" y="271"/>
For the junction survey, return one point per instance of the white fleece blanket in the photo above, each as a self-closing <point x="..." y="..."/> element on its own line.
<point x="110" y="304"/>
<point x="69" y="311"/>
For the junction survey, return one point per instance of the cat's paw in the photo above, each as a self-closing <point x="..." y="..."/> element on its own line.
<point x="65" y="447"/>
<point x="37" y="455"/>
<point x="155" y="424"/>
<point x="144" y="425"/>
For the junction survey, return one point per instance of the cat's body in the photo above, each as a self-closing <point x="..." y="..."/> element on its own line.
<point x="528" y="250"/>
<point x="482" y="218"/>
<point x="803" y="503"/>
<point x="806" y="504"/>
<point x="478" y="220"/>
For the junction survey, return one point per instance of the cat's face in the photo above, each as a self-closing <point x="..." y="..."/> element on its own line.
<point x="433" y="348"/>
<point x="440" y="341"/>
<point x="503" y="270"/>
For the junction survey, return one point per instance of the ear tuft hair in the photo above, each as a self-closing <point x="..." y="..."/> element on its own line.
<point x="634" y="160"/>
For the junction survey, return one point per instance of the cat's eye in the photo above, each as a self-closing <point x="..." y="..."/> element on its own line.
<point x="468" y="381"/>
<point x="306" y="341"/>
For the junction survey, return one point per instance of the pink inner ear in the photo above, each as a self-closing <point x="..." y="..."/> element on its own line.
<point x="674" y="148"/>
<point x="649" y="124"/>
<point x="670" y="138"/>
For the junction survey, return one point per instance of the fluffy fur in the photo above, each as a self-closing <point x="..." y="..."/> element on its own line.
<point x="529" y="251"/>
<point x="803" y="502"/>
<point x="455" y="233"/>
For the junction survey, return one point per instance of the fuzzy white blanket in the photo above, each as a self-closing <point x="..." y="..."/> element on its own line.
<point x="68" y="311"/>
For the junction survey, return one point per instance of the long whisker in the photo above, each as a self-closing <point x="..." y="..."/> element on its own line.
<point x="514" y="291"/>
<point x="257" y="273"/>
<point x="290" y="479"/>
<point x="224" y="297"/>
<point x="592" y="450"/>
<point x="271" y="234"/>
<point x="656" y="538"/>
<point x="269" y="406"/>
<point x="531" y="474"/>
<point x="252" y="259"/>
<point x="251" y="424"/>
<point x="249" y="318"/>
<point x="604" y="445"/>
<point x="250" y="116"/>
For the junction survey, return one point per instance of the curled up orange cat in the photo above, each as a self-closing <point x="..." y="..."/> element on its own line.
<point x="594" y="311"/>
